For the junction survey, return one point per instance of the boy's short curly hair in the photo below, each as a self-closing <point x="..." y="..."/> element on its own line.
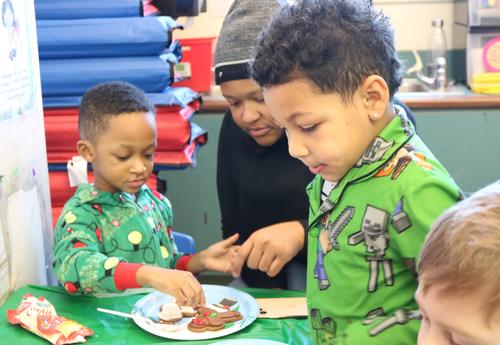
<point x="109" y="99"/>
<point x="461" y="253"/>
<point x="335" y="44"/>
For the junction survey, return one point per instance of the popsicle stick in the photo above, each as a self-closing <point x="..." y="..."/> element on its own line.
<point x="165" y="327"/>
<point x="119" y="313"/>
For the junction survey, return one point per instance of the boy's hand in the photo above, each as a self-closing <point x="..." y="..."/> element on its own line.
<point x="180" y="284"/>
<point x="269" y="249"/>
<point x="218" y="257"/>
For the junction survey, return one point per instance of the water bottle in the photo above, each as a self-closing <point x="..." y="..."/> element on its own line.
<point x="437" y="46"/>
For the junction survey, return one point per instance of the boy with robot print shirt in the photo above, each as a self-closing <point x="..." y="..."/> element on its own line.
<point x="329" y="70"/>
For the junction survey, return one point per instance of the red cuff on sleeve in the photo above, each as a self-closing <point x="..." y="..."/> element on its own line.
<point x="182" y="263"/>
<point x="125" y="275"/>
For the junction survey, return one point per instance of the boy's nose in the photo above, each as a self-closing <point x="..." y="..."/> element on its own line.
<point x="296" y="148"/>
<point x="138" y="167"/>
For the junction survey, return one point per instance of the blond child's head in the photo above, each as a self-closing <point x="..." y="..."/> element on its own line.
<point x="118" y="136"/>
<point x="459" y="274"/>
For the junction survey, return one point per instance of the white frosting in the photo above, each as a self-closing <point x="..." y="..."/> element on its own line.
<point x="170" y="311"/>
<point x="187" y="309"/>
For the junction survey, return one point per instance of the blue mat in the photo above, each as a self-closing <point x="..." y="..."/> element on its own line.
<point x="72" y="77"/>
<point x="80" y="9"/>
<point x="104" y="37"/>
<point x="180" y="96"/>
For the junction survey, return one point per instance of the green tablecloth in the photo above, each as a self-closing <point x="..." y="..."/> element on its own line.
<point x="109" y="329"/>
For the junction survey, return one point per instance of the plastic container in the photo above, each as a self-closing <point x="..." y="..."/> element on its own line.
<point x="196" y="61"/>
<point x="484" y="13"/>
<point x="482" y="47"/>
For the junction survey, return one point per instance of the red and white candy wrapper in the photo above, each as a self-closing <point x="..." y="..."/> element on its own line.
<point x="38" y="316"/>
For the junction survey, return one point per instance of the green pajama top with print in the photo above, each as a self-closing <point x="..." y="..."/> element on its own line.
<point x="97" y="230"/>
<point x="365" y="237"/>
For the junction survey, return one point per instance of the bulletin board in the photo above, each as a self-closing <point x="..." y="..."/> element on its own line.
<point x="25" y="218"/>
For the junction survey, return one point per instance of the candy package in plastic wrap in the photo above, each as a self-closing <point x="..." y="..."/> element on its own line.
<point x="39" y="316"/>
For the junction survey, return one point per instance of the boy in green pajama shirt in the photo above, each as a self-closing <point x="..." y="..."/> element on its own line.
<point x="329" y="71"/>
<point x="117" y="233"/>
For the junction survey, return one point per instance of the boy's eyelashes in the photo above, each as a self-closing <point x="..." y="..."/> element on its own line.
<point x="148" y="156"/>
<point x="308" y="128"/>
<point x="303" y="128"/>
<point x="451" y="338"/>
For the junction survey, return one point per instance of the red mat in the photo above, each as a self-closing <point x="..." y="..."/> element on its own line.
<point x="174" y="134"/>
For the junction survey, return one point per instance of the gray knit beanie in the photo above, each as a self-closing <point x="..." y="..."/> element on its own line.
<point x="242" y="24"/>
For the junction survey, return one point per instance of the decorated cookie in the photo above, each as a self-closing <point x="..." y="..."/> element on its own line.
<point x="231" y="316"/>
<point x="170" y="313"/>
<point x="198" y="324"/>
<point x="213" y="317"/>
<point x="208" y="320"/>
<point x="188" y="311"/>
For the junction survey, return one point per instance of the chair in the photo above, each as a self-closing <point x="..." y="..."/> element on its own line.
<point x="184" y="242"/>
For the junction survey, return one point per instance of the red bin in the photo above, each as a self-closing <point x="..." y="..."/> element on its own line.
<point x="197" y="54"/>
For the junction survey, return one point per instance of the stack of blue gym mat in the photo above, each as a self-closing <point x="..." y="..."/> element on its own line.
<point x="83" y="43"/>
<point x="78" y="53"/>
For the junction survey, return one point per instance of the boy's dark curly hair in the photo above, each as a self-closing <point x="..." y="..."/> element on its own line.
<point x="109" y="99"/>
<point x="335" y="44"/>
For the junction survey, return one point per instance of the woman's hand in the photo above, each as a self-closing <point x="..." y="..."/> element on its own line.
<point x="269" y="249"/>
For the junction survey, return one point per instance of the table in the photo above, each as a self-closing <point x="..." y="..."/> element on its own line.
<point x="109" y="329"/>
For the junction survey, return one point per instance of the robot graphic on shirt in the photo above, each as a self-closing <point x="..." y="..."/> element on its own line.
<point x="328" y="241"/>
<point x="374" y="234"/>
<point x="331" y="230"/>
<point x="325" y="328"/>
<point x="375" y="152"/>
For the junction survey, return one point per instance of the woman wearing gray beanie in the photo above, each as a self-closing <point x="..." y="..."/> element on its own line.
<point x="261" y="187"/>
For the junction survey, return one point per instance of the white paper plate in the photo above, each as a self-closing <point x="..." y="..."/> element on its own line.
<point x="149" y="306"/>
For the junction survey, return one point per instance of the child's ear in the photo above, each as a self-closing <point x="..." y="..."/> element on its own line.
<point x="84" y="148"/>
<point x="375" y="93"/>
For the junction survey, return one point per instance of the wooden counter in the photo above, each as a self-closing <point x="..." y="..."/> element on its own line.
<point x="471" y="101"/>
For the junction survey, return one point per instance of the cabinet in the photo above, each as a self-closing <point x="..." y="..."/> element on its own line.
<point x="481" y="21"/>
